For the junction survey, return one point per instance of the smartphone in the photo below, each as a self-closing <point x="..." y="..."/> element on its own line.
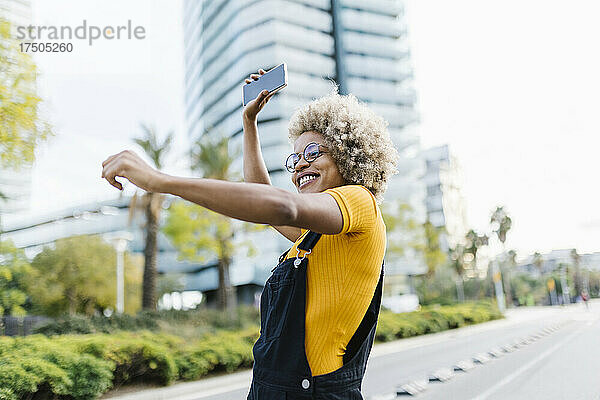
<point x="273" y="80"/>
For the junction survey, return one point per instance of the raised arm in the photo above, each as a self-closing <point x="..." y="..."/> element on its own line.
<point x="250" y="202"/>
<point x="255" y="170"/>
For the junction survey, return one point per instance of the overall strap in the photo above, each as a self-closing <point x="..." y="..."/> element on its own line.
<point x="307" y="244"/>
<point x="309" y="241"/>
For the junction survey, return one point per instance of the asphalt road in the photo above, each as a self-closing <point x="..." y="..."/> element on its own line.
<point x="563" y="362"/>
<point x="557" y="356"/>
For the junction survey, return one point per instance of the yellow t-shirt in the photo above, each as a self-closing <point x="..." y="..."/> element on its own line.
<point x="343" y="271"/>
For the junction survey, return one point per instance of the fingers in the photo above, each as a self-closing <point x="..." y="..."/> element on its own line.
<point x="111" y="158"/>
<point x="261" y="96"/>
<point x="108" y="160"/>
<point x="115" y="183"/>
<point x="264" y="97"/>
<point x="110" y="170"/>
<point x="255" y="76"/>
<point x="109" y="175"/>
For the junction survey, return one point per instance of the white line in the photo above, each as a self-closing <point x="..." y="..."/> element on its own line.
<point x="525" y="367"/>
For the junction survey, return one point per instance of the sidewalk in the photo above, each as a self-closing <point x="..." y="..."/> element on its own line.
<point x="240" y="380"/>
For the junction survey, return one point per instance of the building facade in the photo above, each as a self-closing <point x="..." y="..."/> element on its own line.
<point x="556" y="259"/>
<point x="445" y="203"/>
<point x="110" y="218"/>
<point x="362" y="45"/>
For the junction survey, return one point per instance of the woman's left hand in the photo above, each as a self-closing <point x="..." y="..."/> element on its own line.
<point x="129" y="165"/>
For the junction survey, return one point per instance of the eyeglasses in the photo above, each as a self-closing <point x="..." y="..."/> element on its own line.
<point x="311" y="152"/>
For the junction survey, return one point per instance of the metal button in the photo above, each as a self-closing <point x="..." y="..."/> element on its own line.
<point x="305" y="384"/>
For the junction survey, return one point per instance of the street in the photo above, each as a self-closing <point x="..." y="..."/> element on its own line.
<point x="563" y="362"/>
<point x="537" y="353"/>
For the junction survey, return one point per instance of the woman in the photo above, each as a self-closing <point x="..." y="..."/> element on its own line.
<point x="317" y="323"/>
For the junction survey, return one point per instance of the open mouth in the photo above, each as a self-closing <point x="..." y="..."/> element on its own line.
<point x="306" y="180"/>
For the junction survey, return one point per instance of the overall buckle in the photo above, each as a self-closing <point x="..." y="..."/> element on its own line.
<point x="298" y="259"/>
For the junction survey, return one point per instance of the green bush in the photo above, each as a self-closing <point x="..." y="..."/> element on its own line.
<point x="190" y="323"/>
<point x="49" y="378"/>
<point x="7" y="394"/>
<point x="14" y="378"/>
<point x="47" y="368"/>
<point x="69" y="324"/>
<point x="81" y="324"/>
<point x="136" y="357"/>
<point x="227" y="351"/>
<point x="433" y="319"/>
<point x="90" y="376"/>
<point x="85" y="366"/>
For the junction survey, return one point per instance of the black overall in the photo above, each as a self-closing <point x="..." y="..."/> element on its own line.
<point x="281" y="370"/>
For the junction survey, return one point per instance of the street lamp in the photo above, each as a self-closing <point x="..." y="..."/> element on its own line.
<point x="119" y="240"/>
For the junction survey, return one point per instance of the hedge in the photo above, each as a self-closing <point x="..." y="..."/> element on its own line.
<point x="192" y="322"/>
<point x="85" y="366"/>
<point x="433" y="319"/>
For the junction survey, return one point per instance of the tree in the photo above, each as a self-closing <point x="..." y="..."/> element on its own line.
<point x="538" y="261"/>
<point x="510" y="263"/>
<point x="474" y="242"/>
<point x="512" y="258"/>
<point x="78" y="275"/>
<point x="21" y="126"/>
<point x="14" y="271"/>
<point x="577" y="276"/>
<point x="200" y="234"/>
<point x="434" y="256"/>
<point x="406" y="236"/>
<point x="457" y="263"/>
<point x="501" y="224"/>
<point x="151" y="204"/>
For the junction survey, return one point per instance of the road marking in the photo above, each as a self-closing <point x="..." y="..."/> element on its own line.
<point x="525" y="367"/>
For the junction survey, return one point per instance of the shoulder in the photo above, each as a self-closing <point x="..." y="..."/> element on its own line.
<point x="354" y="195"/>
<point x="358" y="206"/>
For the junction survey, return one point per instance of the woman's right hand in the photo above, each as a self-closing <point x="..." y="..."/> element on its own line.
<point x="253" y="107"/>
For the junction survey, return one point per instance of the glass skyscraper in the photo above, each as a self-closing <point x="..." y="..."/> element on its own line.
<point x="362" y="45"/>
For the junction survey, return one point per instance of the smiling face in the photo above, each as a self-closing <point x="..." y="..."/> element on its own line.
<point x="319" y="175"/>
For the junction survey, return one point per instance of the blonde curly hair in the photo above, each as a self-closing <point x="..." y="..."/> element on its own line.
<point x="357" y="139"/>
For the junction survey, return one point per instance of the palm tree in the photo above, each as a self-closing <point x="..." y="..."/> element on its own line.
<point x="474" y="242"/>
<point x="457" y="262"/>
<point x="151" y="203"/>
<point x="538" y="261"/>
<point x="577" y="278"/>
<point x="512" y="258"/>
<point x="501" y="224"/>
<point x="210" y="156"/>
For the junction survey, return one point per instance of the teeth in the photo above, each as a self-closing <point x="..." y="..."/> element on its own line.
<point x="306" y="178"/>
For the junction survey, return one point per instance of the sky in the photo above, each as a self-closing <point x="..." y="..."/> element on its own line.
<point x="513" y="87"/>
<point x="510" y="85"/>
